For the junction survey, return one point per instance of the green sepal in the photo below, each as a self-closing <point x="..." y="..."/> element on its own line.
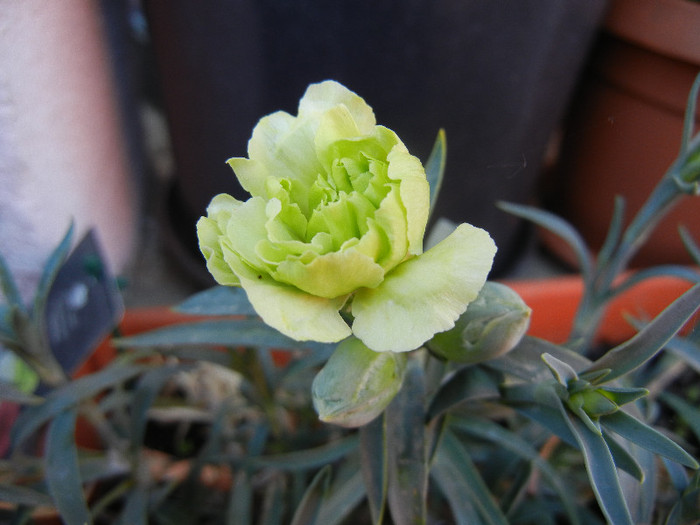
<point x="435" y="167"/>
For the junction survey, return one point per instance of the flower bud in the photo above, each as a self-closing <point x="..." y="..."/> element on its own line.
<point x="356" y="384"/>
<point x="593" y="402"/>
<point x="491" y="326"/>
<point x="584" y="397"/>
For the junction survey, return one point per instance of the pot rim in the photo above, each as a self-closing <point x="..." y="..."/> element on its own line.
<point x="665" y="26"/>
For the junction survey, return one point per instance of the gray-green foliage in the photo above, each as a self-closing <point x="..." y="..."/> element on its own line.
<point x="542" y="434"/>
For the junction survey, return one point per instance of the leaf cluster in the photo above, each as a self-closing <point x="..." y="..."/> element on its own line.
<point x="544" y="434"/>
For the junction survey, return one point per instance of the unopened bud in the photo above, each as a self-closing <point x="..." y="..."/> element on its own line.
<point x="593" y="402"/>
<point x="356" y="384"/>
<point x="493" y="324"/>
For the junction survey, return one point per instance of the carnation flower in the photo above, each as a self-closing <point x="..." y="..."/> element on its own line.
<point x="335" y="223"/>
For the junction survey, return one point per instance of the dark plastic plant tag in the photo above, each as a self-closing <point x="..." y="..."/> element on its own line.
<point x="83" y="305"/>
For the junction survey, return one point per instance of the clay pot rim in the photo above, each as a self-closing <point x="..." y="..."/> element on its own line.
<point x="665" y="26"/>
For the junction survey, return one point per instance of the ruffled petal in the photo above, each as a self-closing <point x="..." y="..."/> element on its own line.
<point x="211" y="232"/>
<point x="296" y="314"/>
<point x="282" y="146"/>
<point x="332" y="274"/>
<point x="415" y="194"/>
<point x="246" y="228"/>
<point x="426" y="294"/>
<point x="323" y="96"/>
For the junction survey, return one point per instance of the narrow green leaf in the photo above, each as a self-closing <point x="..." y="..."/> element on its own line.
<point x="218" y="432"/>
<point x="240" y="508"/>
<point x="342" y="498"/>
<point x="687" y="350"/>
<point x="467" y="384"/>
<point x="198" y="353"/>
<point x="265" y="363"/>
<point x="8" y="392"/>
<point x="7" y="331"/>
<point x="690" y="244"/>
<point x="553" y="420"/>
<point x="8" y="286"/>
<point x="614" y="232"/>
<point x="663" y="270"/>
<point x="647" y="437"/>
<point x="519" y="477"/>
<point x="51" y="268"/>
<point x="62" y="398"/>
<point x="642" y="497"/>
<point x="306" y="459"/>
<point x="258" y="438"/>
<point x="307" y="511"/>
<point x="62" y="472"/>
<point x="455" y="467"/>
<point x="676" y="474"/>
<point x="219" y="300"/>
<point x="135" y="508"/>
<point x="563" y="372"/>
<point x="623" y="459"/>
<point x="687" y="510"/>
<point x="435" y="167"/>
<point x="623" y="396"/>
<point x="32" y="347"/>
<point x="316" y="356"/>
<point x="374" y="463"/>
<point x="507" y="440"/>
<point x="457" y="496"/>
<point x="546" y="511"/>
<point x="149" y="386"/>
<point x="224" y="332"/>
<point x="273" y="503"/>
<point x="19" y="495"/>
<point x="601" y="471"/>
<point x="99" y="466"/>
<point x="525" y="362"/>
<point x="651" y="339"/>
<point x="689" y="118"/>
<point x="559" y="227"/>
<point x="690" y="414"/>
<point x="408" y="473"/>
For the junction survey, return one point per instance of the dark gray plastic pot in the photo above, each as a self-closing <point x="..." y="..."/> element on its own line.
<point x="496" y="75"/>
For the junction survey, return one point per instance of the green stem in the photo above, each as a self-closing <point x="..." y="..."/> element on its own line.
<point x="666" y="194"/>
<point x="103" y="427"/>
<point x="679" y="181"/>
<point x="111" y="496"/>
<point x="267" y="400"/>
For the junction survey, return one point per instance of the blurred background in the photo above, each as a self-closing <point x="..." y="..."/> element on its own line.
<point x="120" y="114"/>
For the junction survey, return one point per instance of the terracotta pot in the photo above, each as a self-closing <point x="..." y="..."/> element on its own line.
<point x="138" y="320"/>
<point x="625" y="130"/>
<point x="553" y="300"/>
<point x="554" y="303"/>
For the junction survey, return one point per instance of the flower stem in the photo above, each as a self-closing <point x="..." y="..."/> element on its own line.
<point x="681" y="179"/>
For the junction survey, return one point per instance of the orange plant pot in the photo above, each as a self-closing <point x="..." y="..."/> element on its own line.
<point x="626" y="125"/>
<point x="554" y="303"/>
<point x="139" y="320"/>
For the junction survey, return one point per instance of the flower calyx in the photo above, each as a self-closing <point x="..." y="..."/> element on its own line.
<point x="585" y="397"/>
